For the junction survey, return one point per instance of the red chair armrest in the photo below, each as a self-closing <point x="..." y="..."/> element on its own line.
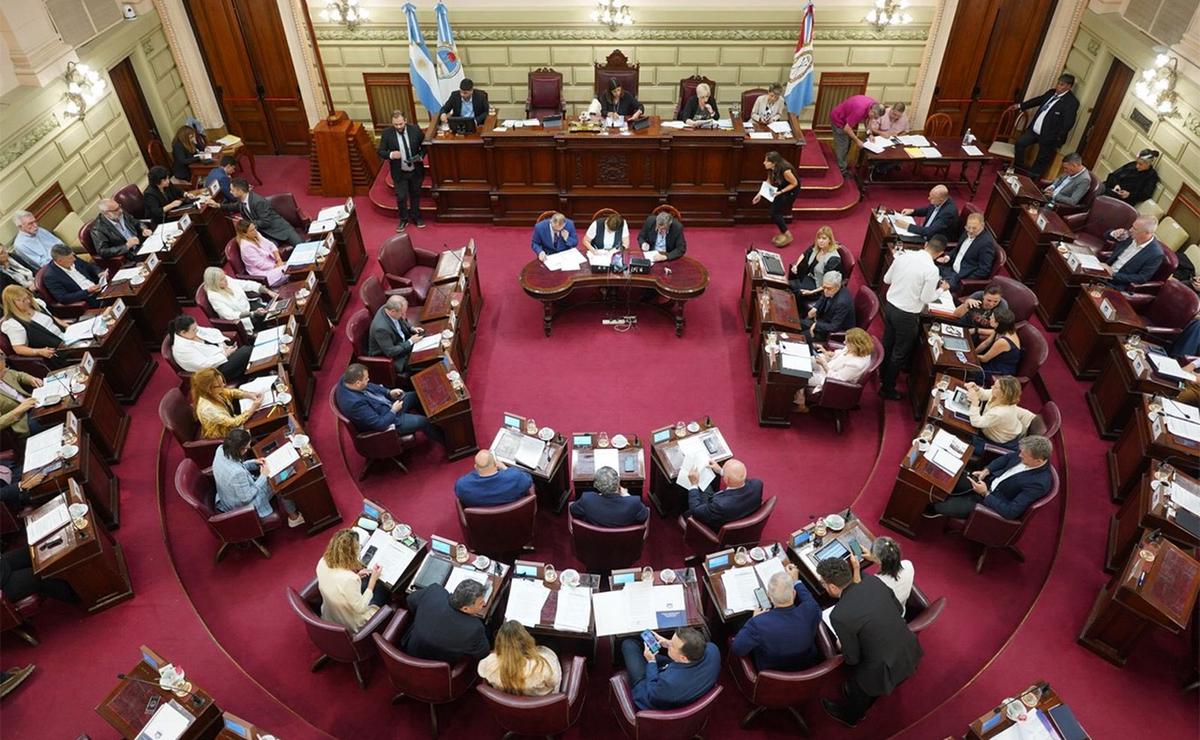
<point x="425" y="258"/>
<point x="396" y="627"/>
<point x="836" y="394"/>
<point x="820" y="669"/>
<point x="988" y="527"/>
<point x="574" y="681"/>
<point x="1076" y="220"/>
<point x="397" y="281"/>
<point x="239" y="524"/>
<point x="928" y="616"/>
<point x="621" y="694"/>
<point x="375" y="623"/>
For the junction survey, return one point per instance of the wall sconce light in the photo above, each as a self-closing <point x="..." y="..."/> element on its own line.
<point x="612" y="14"/>
<point x="1157" y="86"/>
<point x="888" y="13"/>
<point x="347" y="12"/>
<point x="84" y="88"/>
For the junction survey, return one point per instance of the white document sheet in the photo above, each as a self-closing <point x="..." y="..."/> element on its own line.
<point x="322" y="227"/>
<point x="526" y="597"/>
<point x="973" y="150"/>
<point x="425" y="343"/>
<point x="695" y="460"/>
<point x="639" y="606"/>
<point x="1089" y="262"/>
<point x="1033" y="728"/>
<point x="797" y="363"/>
<point x="673" y="124"/>
<point x="871" y="146"/>
<point x="768" y="568"/>
<point x="767" y="191"/>
<point x="49" y="388"/>
<point x="611" y="617"/>
<point x="263" y="351"/>
<point x="895" y="218"/>
<point x="761" y="135"/>
<point x="1185" y="498"/>
<point x="943" y="459"/>
<point x="81" y="331"/>
<point x="668" y="598"/>
<point x="229" y="140"/>
<point x="529" y="452"/>
<point x="49" y="523"/>
<point x="574" y="609"/>
<point x="607" y="458"/>
<point x="1182" y="428"/>
<point x="280" y="459"/>
<point x="261" y="385"/>
<point x="458" y="575"/>
<point x="1169" y="367"/>
<point x="304" y="254"/>
<point x="566" y="261"/>
<point x="781" y="127"/>
<point x="42" y="448"/>
<point x="391" y="556"/>
<point x="739" y="586"/>
<point x="127" y="273"/>
<point x="151" y="245"/>
<point x="930" y="151"/>
<point x="333" y="213"/>
<point x="943" y="303"/>
<point x="168" y="723"/>
<point x="270" y="335"/>
<point x="913" y="140"/>
<point x="1180" y="410"/>
<point x="947" y="441"/>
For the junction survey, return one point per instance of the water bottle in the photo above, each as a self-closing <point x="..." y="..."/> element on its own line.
<point x="968" y="138"/>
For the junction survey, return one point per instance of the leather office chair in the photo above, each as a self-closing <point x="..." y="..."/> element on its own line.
<point x="687" y="89"/>
<point x="848" y="263"/>
<point x="999" y="258"/>
<point x="130" y="200"/>
<point x="546" y="715"/>
<point x="430" y="682"/>
<point x="840" y="396"/>
<point x="684" y="723"/>
<point x="1171" y="233"/>
<point x="333" y="640"/>
<point x="748" y="99"/>
<point x="1107" y="213"/>
<point x="228" y="326"/>
<point x="1165" y="270"/>
<point x="1020" y="299"/>
<point x="866" y="307"/>
<point x="156" y="153"/>
<point x="603" y="213"/>
<point x="545" y="98"/>
<point x="748" y="530"/>
<point x="1168" y="311"/>
<point x="69" y="311"/>
<point x="1034" y="351"/>
<point x="919" y="612"/>
<point x="1045" y="423"/>
<point x="373" y="295"/>
<point x="1008" y="128"/>
<point x="233" y="255"/>
<point x="603" y="549"/>
<point x="102" y="263"/>
<point x="543" y="216"/>
<point x="380" y="369"/>
<point x="499" y="530"/>
<point x="31" y="365"/>
<point x="285" y="205"/>
<point x="15" y="616"/>
<point x="406" y="266"/>
<point x="175" y="414"/>
<point x="240" y="526"/>
<point x="991" y="531"/>
<point x="788" y="690"/>
<point x="616" y="66"/>
<point x="385" y="444"/>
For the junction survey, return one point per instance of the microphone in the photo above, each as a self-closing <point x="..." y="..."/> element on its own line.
<point x="197" y="700"/>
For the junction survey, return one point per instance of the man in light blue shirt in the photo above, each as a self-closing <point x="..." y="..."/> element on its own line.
<point x="33" y="243"/>
<point x="239" y="483"/>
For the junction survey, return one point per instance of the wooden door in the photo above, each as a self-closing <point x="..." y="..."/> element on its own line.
<point x="133" y="103"/>
<point x="958" y="77"/>
<point x="279" y="91"/>
<point x="1116" y="84"/>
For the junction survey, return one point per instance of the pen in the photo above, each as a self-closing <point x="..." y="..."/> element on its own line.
<point x="1141" y="579"/>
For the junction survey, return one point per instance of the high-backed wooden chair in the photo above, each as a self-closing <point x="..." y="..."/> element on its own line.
<point x="668" y="208"/>
<point x="616" y="66"/>
<point x="938" y="124"/>
<point x="1010" y="126"/>
<point x="545" y="94"/>
<point x="687" y="88"/>
<point x="748" y="98"/>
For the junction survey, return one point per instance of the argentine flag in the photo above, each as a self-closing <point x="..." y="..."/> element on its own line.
<point x="799" y="93"/>
<point x="449" y="66"/>
<point x="420" y="65"/>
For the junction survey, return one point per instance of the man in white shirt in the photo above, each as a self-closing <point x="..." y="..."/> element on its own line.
<point x="912" y="282"/>
<point x="1018" y="479"/>
<point x="1137" y="255"/>
<point x="195" y="347"/>
<point x="1053" y="117"/>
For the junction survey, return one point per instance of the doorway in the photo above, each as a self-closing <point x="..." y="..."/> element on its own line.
<point x="133" y="103"/>
<point x="1104" y="112"/>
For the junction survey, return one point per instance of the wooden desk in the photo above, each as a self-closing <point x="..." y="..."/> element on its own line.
<point x="1089" y="332"/>
<point x="1129" y="459"/>
<point x="1006" y="201"/>
<point x="89" y="559"/>
<point x="305" y="486"/>
<point x="583" y="462"/>
<point x="666" y="458"/>
<point x="293" y="358"/>
<point x="496" y="572"/>
<point x="272" y="416"/>
<point x="678" y="281"/>
<point x="686" y="577"/>
<point x="1159" y="592"/>
<point x="462" y="267"/>
<point x="776" y="311"/>
<point x="447" y="408"/>
<point x="1035" y="232"/>
<point x="87" y="468"/>
<point x="450" y="303"/>
<point x="996" y="721"/>
<point x="929" y="360"/>
<point x="1119" y="388"/>
<point x="448" y="350"/>
<point x="120" y="355"/>
<point x="715" y="586"/>
<point x="1060" y="281"/>
<point x="756" y="277"/>
<point x="349" y="241"/>
<point x="90" y="399"/>
<point x="509" y="177"/>
<point x="805" y="554"/>
<point x="918" y="484"/>
<point x="1149" y="508"/>
<point x="414" y="542"/>
<point x="184" y="259"/>
<point x="775" y="388"/>
<point x="214" y="229"/>
<point x="328" y="270"/>
<point x="315" y="327"/>
<point x="550" y="476"/>
<point x="152" y="302"/>
<point x="936" y="411"/>
<point x="881" y="238"/>
<point x="950" y="151"/>
<point x="536" y="571"/>
<point x="125" y="707"/>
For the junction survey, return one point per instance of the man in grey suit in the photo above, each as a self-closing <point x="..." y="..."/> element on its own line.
<point x="1074" y="182"/>
<point x="115" y="233"/>
<point x="256" y="208"/>
<point x="391" y="335"/>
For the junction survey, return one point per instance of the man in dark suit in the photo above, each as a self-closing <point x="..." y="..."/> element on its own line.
<point x="553" y="235"/>
<point x="783" y="638"/>
<point x="69" y="280"/>
<point x="491" y="483"/>
<point x="833" y="311"/>
<point x="372" y="408"/>
<point x="662" y="238"/>
<point x="676" y="676"/>
<point x="467" y="102"/>
<point x="941" y="215"/>
<point x="220" y="175"/>
<point x="738" y="499"/>
<point x="1137" y="255"/>
<point x="1053" y="118"/>
<point x="877" y="645"/>
<point x="115" y="233"/>
<point x="1018" y="479"/>
<point x="253" y="206"/>
<point x="391" y="335"/>
<point x="973" y="257"/>
<point x="608" y="505"/>
<point x="401" y="146"/>
<point x="447" y="626"/>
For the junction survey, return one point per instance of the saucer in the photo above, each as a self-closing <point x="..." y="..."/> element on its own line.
<point x="757" y="554"/>
<point x="137" y="280"/>
<point x="447" y="334"/>
<point x="667" y="575"/>
<point x="546" y="434"/>
<point x="482" y="562"/>
<point x="77" y="511"/>
<point x="619" y="441"/>
<point x="299" y="440"/>
<point x="835" y="522"/>
<point x="283" y="398"/>
<point x="68" y="451"/>
<point x="51" y="401"/>
<point x="286" y="339"/>
<point x="569" y="577"/>
<point x="693" y="427"/>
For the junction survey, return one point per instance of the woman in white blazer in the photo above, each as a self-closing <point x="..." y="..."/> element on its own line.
<point x="237" y="300"/>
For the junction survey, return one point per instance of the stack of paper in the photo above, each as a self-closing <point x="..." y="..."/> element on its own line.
<point x="280" y="460"/>
<point x="875" y="148"/>
<point x="42" y="448"/>
<point x="48" y="520"/>
<point x="263" y="385"/>
<point x="1185" y="498"/>
<point x="333" y="213"/>
<point x="974" y="151"/>
<point x="673" y="124"/>
<point x="1089" y="261"/>
<point x="761" y="135"/>
<point x="1183" y="428"/>
<point x="607" y="458"/>
<point x="425" y="343"/>
<point x="949" y="442"/>
<point x="767" y="191"/>
<point x="460" y="574"/>
<point x="767" y="569"/>
<point x="304" y="254"/>
<point x="942" y="304"/>
<point x="168" y="723"/>
<point x="81" y="331"/>
<point x="52" y="387"/>
<point x="930" y="151"/>
<point x="152" y="244"/>
<point x="1168" y="366"/>
<point x="526" y="597"/>
<point x="601" y="258"/>
<point x="322" y="226"/>
<point x="739" y="586"/>
<point x="574" y="609"/>
<point x="895" y="218"/>
<point x="916" y="140"/>
<point x="127" y="273"/>
<point x="781" y="127"/>
<point x="392" y="557"/>
<point x="566" y="261"/>
<point x="263" y="351"/>
<point x="229" y="140"/>
<point x="1179" y="410"/>
<point x="529" y="452"/>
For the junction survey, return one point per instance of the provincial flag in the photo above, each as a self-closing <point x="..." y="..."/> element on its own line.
<point x="420" y="64"/>
<point x="449" y="65"/>
<point x="799" y="93"/>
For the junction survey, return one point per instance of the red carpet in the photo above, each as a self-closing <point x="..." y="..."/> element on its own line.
<point x="229" y="625"/>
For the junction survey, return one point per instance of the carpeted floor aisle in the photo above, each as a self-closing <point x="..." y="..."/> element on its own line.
<point x="230" y="626"/>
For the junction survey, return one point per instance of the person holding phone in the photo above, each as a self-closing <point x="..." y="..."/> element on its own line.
<point x="783" y="637"/>
<point x="683" y="669"/>
<point x="351" y="592"/>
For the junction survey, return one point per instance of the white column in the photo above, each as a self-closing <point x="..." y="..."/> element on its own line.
<point x="189" y="62"/>
<point x="1056" y="45"/>
<point x="304" y="58"/>
<point x="38" y="53"/>
<point x="931" y="63"/>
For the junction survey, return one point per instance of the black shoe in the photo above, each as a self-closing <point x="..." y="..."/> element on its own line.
<point x="403" y="225"/>
<point x="420" y="224"/>
<point x="833" y="709"/>
<point x="891" y="395"/>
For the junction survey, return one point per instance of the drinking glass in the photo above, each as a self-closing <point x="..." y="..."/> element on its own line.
<point x="648" y="573"/>
<point x="531" y="426"/>
<point x="549" y="574"/>
<point x="604" y="439"/>
<point x="460" y="553"/>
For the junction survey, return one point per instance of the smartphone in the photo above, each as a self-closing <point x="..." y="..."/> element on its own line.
<point x="761" y="597"/>
<point x="153" y="703"/>
<point x="650" y="641"/>
<point x="711" y="445"/>
<point x="370" y="553"/>
<point x="629" y="464"/>
<point x="856" y="549"/>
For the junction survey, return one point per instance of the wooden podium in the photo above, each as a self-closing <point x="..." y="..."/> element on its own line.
<point x="305" y="485"/>
<point x="451" y="302"/>
<point x="125" y="706"/>
<point x="1142" y="440"/>
<point x="551" y="480"/>
<point x="1059" y="283"/>
<point x="328" y="269"/>
<point x="86" y="468"/>
<point x="447" y="409"/>
<point x="879" y="239"/>
<point x="1005" y="203"/>
<point x="350" y="249"/>
<point x="930" y="360"/>
<point x="342" y="160"/>
<point x="775" y="390"/>
<point x="315" y="327"/>
<point x="918" y="484"/>
<point x="1119" y="387"/>
<point x="1099" y="316"/>
<point x="774" y="310"/>
<point x="1151" y="507"/>
<point x="461" y="266"/>
<point x="755" y="278"/>
<point x="152" y="302"/>
<point x="96" y="407"/>
<point x="1157" y="587"/>
<point x="1034" y="233"/>
<point x="120" y="355"/>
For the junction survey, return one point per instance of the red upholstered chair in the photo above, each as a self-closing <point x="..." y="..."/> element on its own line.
<point x="748" y="98"/>
<point x="866" y="307"/>
<point x="540" y="715"/>
<point x="848" y="262"/>
<point x="999" y="258"/>
<point x="31" y="365"/>
<point x="225" y="325"/>
<point x="240" y="526"/>
<point x="545" y="97"/>
<point x="601" y="549"/>
<point x="687" y="89"/>
<point x="406" y="266"/>
<point x="1085" y="203"/>
<point x="919" y="612"/>
<point x="233" y="255"/>
<point x="499" y="530"/>
<point x="185" y="377"/>
<point x="373" y="295"/>
<point x="102" y="263"/>
<point x="684" y="723"/>
<point x="285" y="205"/>
<point x="1167" y="312"/>
<point x="156" y="153"/>
<point x="840" y="397"/>
<point x="1034" y="351"/>
<point x="15" y="616"/>
<point x="1168" y="267"/>
<point x="431" y="682"/>
<point x="788" y="690"/>
<point x="175" y="414"/>
<point x="616" y="67"/>
<point x="380" y="369"/>
<point x="700" y="539"/>
<point x="371" y="446"/>
<point x="130" y="200"/>
<point x="1045" y="423"/>
<point x="61" y="310"/>
<point x="1020" y="299"/>
<point x="333" y="640"/>
<point x="988" y="529"/>
<point x="1107" y="213"/>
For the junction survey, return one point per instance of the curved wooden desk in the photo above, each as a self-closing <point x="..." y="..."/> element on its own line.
<point x="687" y="280"/>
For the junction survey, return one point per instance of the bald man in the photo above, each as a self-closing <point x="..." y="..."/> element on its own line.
<point x="491" y="483"/>
<point x="739" y="497"/>
<point x="784" y="637"/>
<point x="115" y="233"/>
<point x="1137" y="254"/>
<point x="941" y="216"/>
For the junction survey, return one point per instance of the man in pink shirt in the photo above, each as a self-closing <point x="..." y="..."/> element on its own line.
<point x="846" y="117"/>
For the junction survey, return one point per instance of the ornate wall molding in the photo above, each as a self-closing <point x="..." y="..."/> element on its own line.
<point x="641" y="34"/>
<point x="185" y="50"/>
<point x="21" y="146"/>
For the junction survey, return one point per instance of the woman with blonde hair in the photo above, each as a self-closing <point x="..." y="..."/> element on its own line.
<point x="518" y="665"/>
<point x="821" y="257"/>
<point x="848" y="364"/>
<point x="237" y="300"/>
<point x="183" y="153"/>
<point x="260" y="255"/>
<point x="350" y="592"/>
<point x="213" y="404"/>
<point x="1004" y="422"/>
<point x="31" y="329"/>
<point x="700" y="107"/>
